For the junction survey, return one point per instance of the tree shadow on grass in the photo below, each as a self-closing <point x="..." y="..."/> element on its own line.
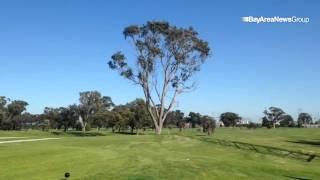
<point x="307" y="142"/>
<point x="268" y="150"/>
<point x="201" y="135"/>
<point x="125" y="133"/>
<point x="299" y="178"/>
<point x="78" y="133"/>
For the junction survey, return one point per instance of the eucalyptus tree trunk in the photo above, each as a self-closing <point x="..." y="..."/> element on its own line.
<point x="83" y="124"/>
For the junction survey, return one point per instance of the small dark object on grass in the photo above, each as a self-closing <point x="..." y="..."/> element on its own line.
<point x="311" y="157"/>
<point x="66" y="175"/>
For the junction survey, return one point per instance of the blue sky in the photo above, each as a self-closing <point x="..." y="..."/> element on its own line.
<point x="52" y="50"/>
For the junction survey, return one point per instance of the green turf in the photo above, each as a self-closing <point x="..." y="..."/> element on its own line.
<point x="174" y="155"/>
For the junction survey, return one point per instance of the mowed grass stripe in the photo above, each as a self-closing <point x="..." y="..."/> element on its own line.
<point x="27" y="140"/>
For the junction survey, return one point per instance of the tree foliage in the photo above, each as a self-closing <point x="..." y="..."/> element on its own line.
<point x="176" y="119"/>
<point x="230" y="119"/>
<point x="90" y="103"/>
<point x="274" y="115"/>
<point x="3" y="111"/>
<point x="16" y="107"/>
<point x="303" y="119"/>
<point x="11" y="113"/>
<point x="194" y="119"/>
<point x="208" y="124"/>
<point x="287" y="121"/>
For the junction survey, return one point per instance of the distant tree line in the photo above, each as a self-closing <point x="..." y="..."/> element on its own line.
<point x="97" y="111"/>
<point x="273" y="117"/>
<point x="276" y="117"/>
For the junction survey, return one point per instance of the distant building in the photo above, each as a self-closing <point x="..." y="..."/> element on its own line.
<point x="243" y="122"/>
<point x="311" y="125"/>
<point x="219" y="124"/>
<point x="187" y="125"/>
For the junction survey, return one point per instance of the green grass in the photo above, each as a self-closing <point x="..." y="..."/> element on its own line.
<point x="173" y="155"/>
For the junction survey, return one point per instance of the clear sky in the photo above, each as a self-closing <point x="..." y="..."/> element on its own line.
<point x="52" y="50"/>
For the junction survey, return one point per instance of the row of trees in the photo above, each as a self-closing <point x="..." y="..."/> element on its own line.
<point x="11" y="113"/>
<point x="132" y="117"/>
<point x="96" y="111"/>
<point x="78" y="116"/>
<point x="275" y="116"/>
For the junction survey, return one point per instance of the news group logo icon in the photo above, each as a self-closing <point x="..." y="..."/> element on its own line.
<point x="245" y="19"/>
<point x="275" y="19"/>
